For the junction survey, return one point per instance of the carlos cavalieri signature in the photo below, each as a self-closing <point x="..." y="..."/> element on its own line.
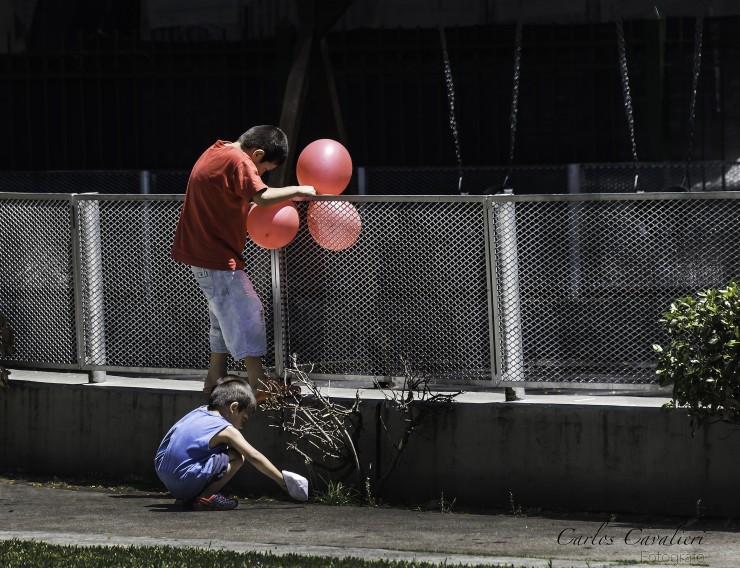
<point x="604" y="536"/>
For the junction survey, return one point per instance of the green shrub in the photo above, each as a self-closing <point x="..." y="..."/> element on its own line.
<point x="702" y="358"/>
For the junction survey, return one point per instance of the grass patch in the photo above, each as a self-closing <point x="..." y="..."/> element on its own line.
<point x="89" y="482"/>
<point x="337" y="494"/>
<point x="24" y="553"/>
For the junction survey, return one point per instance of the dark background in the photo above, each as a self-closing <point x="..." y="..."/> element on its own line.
<point x="87" y="92"/>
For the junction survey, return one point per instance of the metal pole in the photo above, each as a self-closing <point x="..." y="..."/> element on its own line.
<point x="574" y="232"/>
<point x="361" y="181"/>
<point x="145" y="182"/>
<point x="513" y="363"/>
<point x="279" y="331"/>
<point x="93" y="290"/>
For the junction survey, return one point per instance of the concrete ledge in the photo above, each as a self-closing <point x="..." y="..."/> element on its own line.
<point x="577" y="451"/>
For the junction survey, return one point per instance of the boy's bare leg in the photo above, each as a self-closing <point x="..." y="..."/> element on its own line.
<point x="216" y="370"/>
<point x="265" y="388"/>
<point x="236" y="460"/>
<point x="256" y="375"/>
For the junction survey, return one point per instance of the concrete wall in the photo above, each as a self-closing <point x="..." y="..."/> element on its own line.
<point x="592" y="457"/>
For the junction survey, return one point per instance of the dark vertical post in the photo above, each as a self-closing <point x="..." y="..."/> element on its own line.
<point x="316" y="19"/>
<point x="655" y="62"/>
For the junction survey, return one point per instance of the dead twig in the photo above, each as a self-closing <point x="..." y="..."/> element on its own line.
<point x="325" y="433"/>
<point x="415" y="401"/>
<point x="322" y="432"/>
<point x="6" y="348"/>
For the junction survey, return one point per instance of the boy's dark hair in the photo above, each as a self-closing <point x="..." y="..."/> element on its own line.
<point x="270" y="139"/>
<point x="232" y="389"/>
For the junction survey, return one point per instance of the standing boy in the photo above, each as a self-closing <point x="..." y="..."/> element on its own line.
<point x="210" y="238"/>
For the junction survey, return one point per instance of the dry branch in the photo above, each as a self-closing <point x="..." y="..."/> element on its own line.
<point x="6" y="348"/>
<point x="415" y="401"/>
<point x="322" y="432"/>
<point x="325" y="434"/>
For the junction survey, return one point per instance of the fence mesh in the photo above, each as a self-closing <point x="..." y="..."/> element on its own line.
<point x="529" y="289"/>
<point x="412" y="289"/>
<point x="556" y="179"/>
<point x="589" y="280"/>
<point x="524" y="180"/>
<point x="142" y="309"/>
<point x="37" y="279"/>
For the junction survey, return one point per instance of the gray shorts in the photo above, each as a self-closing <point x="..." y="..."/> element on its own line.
<point x="219" y="464"/>
<point x="236" y="313"/>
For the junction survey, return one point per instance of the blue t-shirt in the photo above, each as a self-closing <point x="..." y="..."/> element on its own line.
<point x="184" y="462"/>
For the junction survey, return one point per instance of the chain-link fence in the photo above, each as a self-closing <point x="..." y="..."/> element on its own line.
<point x="555" y="179"/>
<point x="37" y="278"/>
<point x="582" y="280"/>
<point x="536" y="290"/>
<point x="102" y="182"/>
<point x="411" y="289"/>
<point x="523" y="180"/>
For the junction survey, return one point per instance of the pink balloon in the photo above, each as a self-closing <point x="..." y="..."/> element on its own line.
<point x="273" y="226"/>
<point x="334" y="225"/>
<point x="326" y="165"/>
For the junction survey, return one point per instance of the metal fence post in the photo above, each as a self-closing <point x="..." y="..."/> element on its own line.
<point x="361" y="181"/>
<point x="494" y="315"/>
<point x="92" y="289"/>
<point x="574" y="231"/>
<point x="509" y="294"/>
<point x="145" y="182"/>
<point x="276" y="257"/>
<point x="77" y="280"/>
<point x="574" y="178"/>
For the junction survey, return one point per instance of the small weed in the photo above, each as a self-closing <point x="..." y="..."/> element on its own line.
<point x="516" y="510"/>
<point x="369" y="499"/>
<point x="336" y="494"/>
<point x="699" y="510"/>
<point x="446" y="507"/>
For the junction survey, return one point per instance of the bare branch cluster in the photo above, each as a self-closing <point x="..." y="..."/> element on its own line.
<point x="325" y="433"/>
<point x="414" y="401"/>
<point x="416" y="389"/>
<point x="322" y="432"/>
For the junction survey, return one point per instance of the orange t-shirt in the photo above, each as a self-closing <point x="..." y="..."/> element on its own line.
<point x="212" y="229"/>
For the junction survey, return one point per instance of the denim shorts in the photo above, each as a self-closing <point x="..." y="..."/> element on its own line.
<point x="236" y="313"/>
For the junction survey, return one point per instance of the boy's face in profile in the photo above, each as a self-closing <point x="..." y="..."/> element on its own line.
<point x="238" y="418"/>
<point x="258" y="157"/>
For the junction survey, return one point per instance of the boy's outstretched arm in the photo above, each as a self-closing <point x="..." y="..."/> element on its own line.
<point x="273" y="195"/>
<point x="234" y="439"/>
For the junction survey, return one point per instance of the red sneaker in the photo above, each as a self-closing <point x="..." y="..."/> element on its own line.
<point x="215" y="502"/>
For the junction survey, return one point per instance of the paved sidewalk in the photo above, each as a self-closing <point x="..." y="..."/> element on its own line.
<point x="132" y="517"/>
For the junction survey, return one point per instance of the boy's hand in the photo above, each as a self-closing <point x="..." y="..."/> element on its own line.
<point x="297" y="485"/>
<point x="304" y="191"/>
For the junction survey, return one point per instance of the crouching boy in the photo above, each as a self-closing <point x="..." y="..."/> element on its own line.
<point x="205" y="448"/>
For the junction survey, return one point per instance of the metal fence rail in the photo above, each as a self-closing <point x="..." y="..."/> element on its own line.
<point x="502" y="289"/>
